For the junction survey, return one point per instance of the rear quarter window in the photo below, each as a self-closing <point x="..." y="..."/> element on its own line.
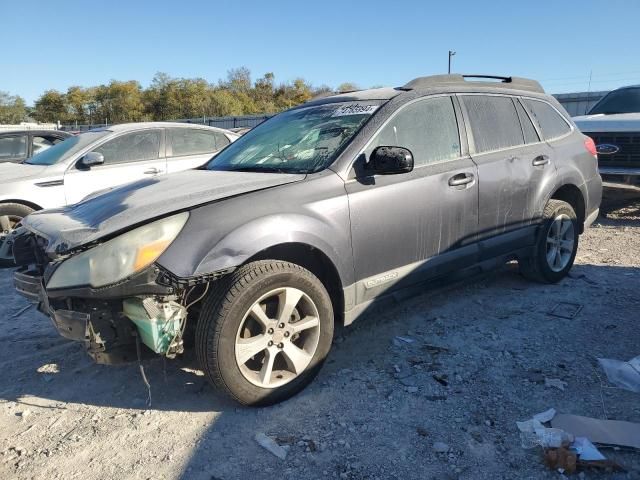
<point x="551" y="123"/>
<point x="494" y="122"/>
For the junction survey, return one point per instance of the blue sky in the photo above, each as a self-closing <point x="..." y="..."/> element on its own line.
<point x="56" y="45"/>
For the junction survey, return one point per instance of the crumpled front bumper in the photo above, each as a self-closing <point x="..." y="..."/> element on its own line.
<point x="70" y="324"/>
<point x="94" y="328"/>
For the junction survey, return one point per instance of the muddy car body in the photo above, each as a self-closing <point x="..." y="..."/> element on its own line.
<point x="315" y="215"/>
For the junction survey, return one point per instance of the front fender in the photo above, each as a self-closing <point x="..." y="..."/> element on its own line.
<point x="260" y="234"/>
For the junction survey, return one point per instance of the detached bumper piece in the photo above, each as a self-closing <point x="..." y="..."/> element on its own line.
<point x="106" y="333"/>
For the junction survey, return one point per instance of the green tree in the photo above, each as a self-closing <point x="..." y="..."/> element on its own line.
<point x="347" y="87"/>
<point x="12" y="108"/>
<point x="51" y="107"/>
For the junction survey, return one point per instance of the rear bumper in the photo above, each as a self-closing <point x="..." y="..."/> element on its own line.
<point x="591" y="218"/>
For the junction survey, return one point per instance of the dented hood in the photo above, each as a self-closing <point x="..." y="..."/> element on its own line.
<point x="109" y="212"/>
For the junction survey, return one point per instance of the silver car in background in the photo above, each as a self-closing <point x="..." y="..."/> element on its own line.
<point x="100" y="159"/>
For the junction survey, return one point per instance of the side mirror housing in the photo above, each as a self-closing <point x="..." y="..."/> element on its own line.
<point x="391" y="160"/>
<point x="92" y="159"/>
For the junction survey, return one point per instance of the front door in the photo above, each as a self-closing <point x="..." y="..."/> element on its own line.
<point x="411" y="226"/>
<point x="127" y="158"/>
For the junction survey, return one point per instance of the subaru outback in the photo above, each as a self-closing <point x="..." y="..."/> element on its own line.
<point x="311" y="219"/>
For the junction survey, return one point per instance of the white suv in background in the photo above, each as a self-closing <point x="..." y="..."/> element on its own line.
<point x="614" y="125"/>
<point x="99" y="159"/>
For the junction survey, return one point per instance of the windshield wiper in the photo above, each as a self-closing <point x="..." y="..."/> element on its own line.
<point x="258" y="170"/>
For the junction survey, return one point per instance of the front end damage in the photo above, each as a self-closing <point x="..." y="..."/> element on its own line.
<point x="111" y="320"/>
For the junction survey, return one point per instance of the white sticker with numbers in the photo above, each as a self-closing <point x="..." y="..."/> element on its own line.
<point x="354" y="109"/>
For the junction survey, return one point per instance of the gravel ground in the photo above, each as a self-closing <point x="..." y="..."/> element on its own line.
<point x="439" y="402"/>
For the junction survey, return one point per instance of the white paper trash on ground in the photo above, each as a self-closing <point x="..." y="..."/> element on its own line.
<point x="624" y="375"/>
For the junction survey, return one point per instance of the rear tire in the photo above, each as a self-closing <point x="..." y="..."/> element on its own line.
<point x="264" y="332"/>
<point x="10" y="215"/>
<point x="556" y="246"/>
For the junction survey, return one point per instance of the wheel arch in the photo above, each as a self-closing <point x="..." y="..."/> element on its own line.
<point x="572" y="194"/>
<point x="314" y="260"/>
<point x="26" y="203"/>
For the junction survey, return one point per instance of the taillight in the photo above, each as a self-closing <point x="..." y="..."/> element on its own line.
<point x="590" y="145"/>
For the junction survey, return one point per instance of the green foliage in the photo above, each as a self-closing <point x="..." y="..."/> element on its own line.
<point x="169" y="98"/>
<point x="12" y="108"/>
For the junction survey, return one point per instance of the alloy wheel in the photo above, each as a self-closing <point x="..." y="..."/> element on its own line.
<point x="560" y="242"/>
<point x="277" y="337"/>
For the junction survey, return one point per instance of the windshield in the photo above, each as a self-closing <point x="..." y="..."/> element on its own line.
<point x="67" y="148"/>
<point x="302" y="140"/>
<point x="626" y="100"/>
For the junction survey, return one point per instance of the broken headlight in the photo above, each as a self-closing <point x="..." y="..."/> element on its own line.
<point x="119" y="257"/>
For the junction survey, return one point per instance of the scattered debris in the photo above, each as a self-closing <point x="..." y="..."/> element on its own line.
<point x="271" y="445"/>
<point x="400" y="340"/>
<point x="586" y="450"/>
<point x="604" y="432"/>
<point x="546" y="416"/>
<point x="440" y="447"/>
<point x="24" y="413"/>
<point x="624" y="375"/>
<point x="49" y="368"/>
<point x="561" y="459"/>
<point x="565" y="310"/>
<point x="555" y="382"/>
<point x="533" y="433"/>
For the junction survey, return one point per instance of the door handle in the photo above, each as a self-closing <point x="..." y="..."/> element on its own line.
<point x="540" y="161"/>
<point x="152" y="171"/>
<point x="461" y="179"/>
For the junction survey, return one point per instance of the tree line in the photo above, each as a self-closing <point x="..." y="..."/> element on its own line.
<point x="166" y="98"/>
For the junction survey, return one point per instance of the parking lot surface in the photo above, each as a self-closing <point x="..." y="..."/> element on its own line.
<point x="428" y="388"/>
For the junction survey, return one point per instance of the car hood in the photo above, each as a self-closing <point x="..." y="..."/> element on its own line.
<point x="19" y="171"/>
<point x="619" y="122"/>
<point x="109" y="212"/>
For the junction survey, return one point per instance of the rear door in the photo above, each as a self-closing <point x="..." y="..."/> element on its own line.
<point x="408" y="227"/>
<point x="192" y="147"/>
<point x="127" y="157"/>
<point x="513" y="166"/>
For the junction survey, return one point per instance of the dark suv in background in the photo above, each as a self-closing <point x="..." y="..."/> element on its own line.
<point x="614" y="125"/>
<point x="310" y="219"/>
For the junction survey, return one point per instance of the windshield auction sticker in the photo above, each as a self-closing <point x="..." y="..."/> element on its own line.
<point x="355" y="109"/>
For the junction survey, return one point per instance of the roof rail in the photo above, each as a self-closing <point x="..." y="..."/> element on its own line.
<point x="433" y="81"/>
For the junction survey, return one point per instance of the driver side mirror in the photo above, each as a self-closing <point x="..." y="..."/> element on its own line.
<point x="92" y="159"/>
<point x="391" y="160"/>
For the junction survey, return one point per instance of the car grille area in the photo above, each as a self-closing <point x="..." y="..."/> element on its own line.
<point x="628" y="155"/>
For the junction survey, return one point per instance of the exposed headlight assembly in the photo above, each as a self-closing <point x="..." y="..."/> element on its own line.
<point x="119" y="257"/>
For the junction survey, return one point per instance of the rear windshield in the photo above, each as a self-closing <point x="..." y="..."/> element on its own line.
<point x="67" y="148"/>
<point x="303" y="140"/>
<point x="626" y="100"/>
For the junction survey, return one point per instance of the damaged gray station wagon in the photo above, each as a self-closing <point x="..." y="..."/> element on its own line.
<point x="308" y="220"/>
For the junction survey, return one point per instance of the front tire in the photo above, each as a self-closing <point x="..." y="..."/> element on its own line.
<point x="10" y="215"/>
<point x="556" y="246"/>
<point x="264" y="332"/>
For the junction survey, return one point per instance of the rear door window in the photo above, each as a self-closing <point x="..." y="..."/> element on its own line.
<point x="190" y="141"/>
<point x="427" y="127"/>
<point x="494" y="122"/>
<point x="13" y="148"/>
<point x="131" y="147"/>
<point x="551" y="123"/>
